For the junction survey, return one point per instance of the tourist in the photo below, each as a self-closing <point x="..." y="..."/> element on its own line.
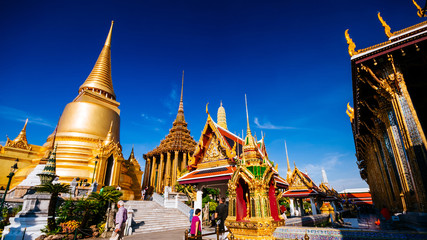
<point x="121" y="217"/>
<point x="143" y="193"/>
<point x="386" y="218"/>
<point x="196" y="226"/>
<point x="221" y="213"/>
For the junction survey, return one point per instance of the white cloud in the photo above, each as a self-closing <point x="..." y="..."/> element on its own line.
<point x="269" y="125"/>
<point x="20" y="115"/>
<point x="172" y="102"/>
<point x="151" y="118"/>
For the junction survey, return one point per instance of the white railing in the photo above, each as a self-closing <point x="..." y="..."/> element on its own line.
<point x="158" y="199"/>
<point x="184" y="208"/>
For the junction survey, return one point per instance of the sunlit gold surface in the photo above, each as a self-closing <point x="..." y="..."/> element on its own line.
<point x="88" y="131"/>
<point x="351" y="44"/>
<point x="221" y="117"/>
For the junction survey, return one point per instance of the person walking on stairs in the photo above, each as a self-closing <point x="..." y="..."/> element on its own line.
<point x="121" y="217"/>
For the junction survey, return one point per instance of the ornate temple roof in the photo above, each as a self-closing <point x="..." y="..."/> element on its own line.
<point x="100" y="77"/>
<point x="179" y="138"/>
<point x="21" y="140"/>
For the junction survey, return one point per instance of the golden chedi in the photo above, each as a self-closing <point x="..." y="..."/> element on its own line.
<point x="88" y="135"/>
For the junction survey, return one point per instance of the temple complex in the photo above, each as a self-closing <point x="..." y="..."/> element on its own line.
<point x="87" y="138"/>
<point x="390" y="115"/>
<point x="166" y="161"/>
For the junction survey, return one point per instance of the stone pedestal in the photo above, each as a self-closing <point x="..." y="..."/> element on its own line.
<point x="33" y="216"/>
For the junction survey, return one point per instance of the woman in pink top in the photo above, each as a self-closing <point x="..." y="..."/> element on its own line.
<point x="196" y="226"/>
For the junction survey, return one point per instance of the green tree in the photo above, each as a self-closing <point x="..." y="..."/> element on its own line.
<point x="54" y="190"/>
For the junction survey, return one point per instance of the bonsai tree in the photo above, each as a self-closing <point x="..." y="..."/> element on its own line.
<point x="54" y="190"/>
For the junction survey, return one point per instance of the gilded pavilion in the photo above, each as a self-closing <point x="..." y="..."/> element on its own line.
<point x="87" y="138"/>
<point x="389" y="116"/>
<point x="166" y="161"/>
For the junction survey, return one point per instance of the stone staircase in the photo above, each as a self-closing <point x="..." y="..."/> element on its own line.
<point x="149" y="217"/>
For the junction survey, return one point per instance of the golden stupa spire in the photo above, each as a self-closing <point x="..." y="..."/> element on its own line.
<point x="248" y="130"/>
<point x="109" y="137"/>
<point x="100" y="77"/>
<point x="23" y="134"/>
<point x="289" y="172"/>
<point x="221" y="117"/>
<point x="180" y="115"/>
<point x="386" y="27"/>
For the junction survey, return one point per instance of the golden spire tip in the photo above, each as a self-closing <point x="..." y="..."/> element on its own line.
<point x="247" y="115"/>
<point x="108" y="41"/>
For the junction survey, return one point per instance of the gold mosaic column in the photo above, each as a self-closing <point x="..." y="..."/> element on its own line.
<point x="160" y="173"/>
<point x="153" y="172"/>
<point x="147" y="171"/>
<point x="168" y="170"/>
<point x="174" y="168"/>
<point x="184" y="161"/>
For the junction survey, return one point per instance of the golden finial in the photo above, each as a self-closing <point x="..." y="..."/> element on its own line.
<point x="109" y="138"/>
<point x="386" y="27"/>
<point x="207" y="112"/>
<point x="181" y="103"/>
<point x="108" y="40"/>
<point x="247" y="116"/>
<point x="351" y="45"/>
<point x="420" y="12"/>
<point x="350" y="112"/>
<point x="287" y="160"/>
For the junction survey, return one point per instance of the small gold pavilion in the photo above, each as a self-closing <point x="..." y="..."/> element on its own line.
<point x="161" y="170"/>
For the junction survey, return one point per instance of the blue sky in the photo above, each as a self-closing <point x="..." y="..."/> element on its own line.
<point x="289" y="57"/>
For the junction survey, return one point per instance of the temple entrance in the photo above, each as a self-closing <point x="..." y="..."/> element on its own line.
<point x="242" y="200"/>
<point x="109" y="171"/>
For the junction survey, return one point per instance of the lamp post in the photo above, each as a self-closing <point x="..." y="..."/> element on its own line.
<point x="13" y="170"/>
<point x="96" y="162"/>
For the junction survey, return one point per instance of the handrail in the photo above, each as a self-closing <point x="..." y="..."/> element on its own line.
<point x="158" y="199"/>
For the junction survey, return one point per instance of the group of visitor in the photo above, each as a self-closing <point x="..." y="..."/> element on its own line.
<point x="221" y="213"/>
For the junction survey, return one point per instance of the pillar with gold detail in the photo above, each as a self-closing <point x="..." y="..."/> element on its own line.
<point x="253" y="209"/>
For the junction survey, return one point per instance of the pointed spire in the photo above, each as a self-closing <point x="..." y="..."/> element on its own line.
<point x="23" y="134"/>
<point x="289" y="172"/>
<point x="248" y="130"/>
<point x="132" y="154"/>
<point x="49" y="171"/>
<point x="180" y="116"/>
<point x="109" y="137"/>
<point x="100" y="77"/>
<point x="221" y="117"/>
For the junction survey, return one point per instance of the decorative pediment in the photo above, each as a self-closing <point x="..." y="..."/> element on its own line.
<point x="22" y="144"/>
<point x="212" y="146"/>
<point x="300" y="181"/>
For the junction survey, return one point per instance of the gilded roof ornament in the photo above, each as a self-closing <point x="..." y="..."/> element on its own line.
<point x="21" y="140"/>
<point x="421" y="12"/>
<point x="350" y="112"/>
<point x="221" y="117"/>
<point x="109" y="137"/>
<point x="386" y="27"/>
<point x="100" y="76"/>
<point x="351" y="44"/>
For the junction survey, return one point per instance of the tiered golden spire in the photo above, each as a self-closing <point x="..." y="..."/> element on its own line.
<point x="109" y="137"/>
<point x="180" y="115"/>
<point x="179" y="138"/>
<point x="221" y="117"/>
<point x="250" y="150"/>
<point x="21" y="140"/>
<point x="289" y="172"/>
<point x="23" y="134"/>
<point x="100" y="77"/>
